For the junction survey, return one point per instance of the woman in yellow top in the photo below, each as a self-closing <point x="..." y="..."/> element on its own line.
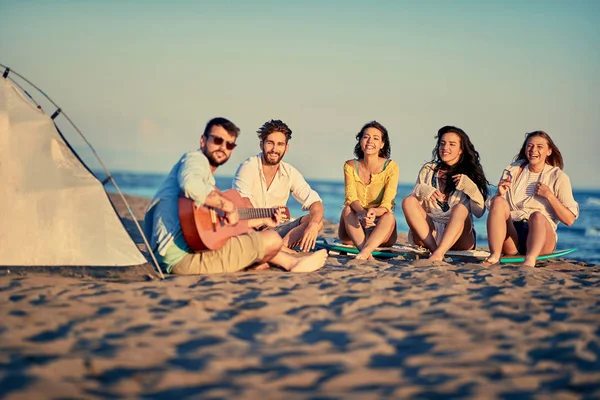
<point x="371" y="181"/>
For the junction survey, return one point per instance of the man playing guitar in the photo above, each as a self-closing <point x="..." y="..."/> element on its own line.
<point x="192" y="177"/>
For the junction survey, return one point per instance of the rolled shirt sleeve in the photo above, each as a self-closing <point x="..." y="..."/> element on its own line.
<point x="301" y="190"/>
<point x="468" y="187"/>
<point x="194" y="177"/>
<point x="423" y="191"/>
<point x="564" y="193"/>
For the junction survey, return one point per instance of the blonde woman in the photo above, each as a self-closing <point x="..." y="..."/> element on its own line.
<point x="534" y="195"/>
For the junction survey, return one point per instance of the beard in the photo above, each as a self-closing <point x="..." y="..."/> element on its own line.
<point x="268" y="161"/>
<point x="212" y="159"/>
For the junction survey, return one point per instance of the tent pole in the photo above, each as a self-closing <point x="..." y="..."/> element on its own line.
<point x="155" y="262"/>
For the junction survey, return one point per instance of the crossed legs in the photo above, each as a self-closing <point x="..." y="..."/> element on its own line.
<point x="351" y="231"/>
<point x="288" y="261"/>
<point x="294" y="236"/>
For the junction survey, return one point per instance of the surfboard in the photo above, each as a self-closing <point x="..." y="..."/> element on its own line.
<point x="335" y="245"/>
<point x="519" y="258"/>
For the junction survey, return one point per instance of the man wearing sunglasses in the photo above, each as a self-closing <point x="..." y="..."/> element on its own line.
<point x="268" y="181"/>
<point x="192" y="177"/>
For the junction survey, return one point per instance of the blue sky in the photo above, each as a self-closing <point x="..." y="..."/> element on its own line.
<point x="142" y="78"/>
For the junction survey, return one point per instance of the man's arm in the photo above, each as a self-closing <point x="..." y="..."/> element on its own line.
<point x="217" y="201"/>
<point x="315" y="213"/>
<point x="194" y="177"/>
<point x="196" y="183"/>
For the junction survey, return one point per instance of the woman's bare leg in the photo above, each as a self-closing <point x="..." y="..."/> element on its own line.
<point x="384" y="233"/>
<point x="418" y="222"/>
<point x="458" y="233"/>
<point x="502" y="236"/>
<point x="350" y="228"/>
<point x="540" y="238"/>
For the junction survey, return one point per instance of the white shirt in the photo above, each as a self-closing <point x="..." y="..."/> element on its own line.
<point x="250" y="181"/>
<point x="525" y="185"/>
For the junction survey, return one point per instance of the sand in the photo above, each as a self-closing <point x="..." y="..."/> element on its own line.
<point x="397" y="329"/>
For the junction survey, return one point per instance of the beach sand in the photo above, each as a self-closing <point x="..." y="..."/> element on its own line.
<point x="398" y="329"/>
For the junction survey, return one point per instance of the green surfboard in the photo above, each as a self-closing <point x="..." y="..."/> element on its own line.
<point x="398" y="250"/>
<point x="519" y="258"/>
<point x="381" y="252"/>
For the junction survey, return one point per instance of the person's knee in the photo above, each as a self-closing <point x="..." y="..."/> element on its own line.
<point x="409" y="202"/>
<point x="498" y="203"/>
<point x="537" y="219"/>
<point x="387" y="216"/>
<point x="460" y="210"/>
<point x="347" y="212"/>
<point x="272" y="242"/>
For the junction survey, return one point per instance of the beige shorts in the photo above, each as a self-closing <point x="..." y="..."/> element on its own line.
<point x="237" y="253"/>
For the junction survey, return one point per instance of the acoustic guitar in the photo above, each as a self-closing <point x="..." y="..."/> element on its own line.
<point x="204" y="228"/>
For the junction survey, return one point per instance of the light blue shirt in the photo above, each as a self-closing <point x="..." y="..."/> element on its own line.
<point x="191" y="177"/>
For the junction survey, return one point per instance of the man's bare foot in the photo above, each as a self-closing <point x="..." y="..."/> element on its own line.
<point x="311" y="262"/>
<point x="258" y="267"/>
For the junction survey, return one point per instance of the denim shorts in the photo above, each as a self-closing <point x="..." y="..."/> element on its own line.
<point x="286" y="227"/>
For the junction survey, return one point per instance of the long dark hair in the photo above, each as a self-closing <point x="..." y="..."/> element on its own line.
<point x="555" y="159"/>
<point x="468" y="164"/>
<point x="385" y="151"/>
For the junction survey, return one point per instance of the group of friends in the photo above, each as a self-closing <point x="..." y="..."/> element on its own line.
<point x="533" y="196"/>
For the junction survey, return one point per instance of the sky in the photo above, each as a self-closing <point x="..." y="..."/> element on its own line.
<point x="142" y="78"/>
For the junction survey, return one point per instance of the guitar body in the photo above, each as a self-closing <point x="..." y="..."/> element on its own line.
<point x="197" y="226"/>
<point x="203" y="231"/>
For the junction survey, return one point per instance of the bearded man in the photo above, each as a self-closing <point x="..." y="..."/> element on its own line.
<point x="267" y="181"/>
<point x="192" y="177"/>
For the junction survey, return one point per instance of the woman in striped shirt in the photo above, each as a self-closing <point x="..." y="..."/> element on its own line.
<point x="534" y="195"/>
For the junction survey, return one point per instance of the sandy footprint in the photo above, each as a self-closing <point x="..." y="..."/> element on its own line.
<point x="311" y="262"/>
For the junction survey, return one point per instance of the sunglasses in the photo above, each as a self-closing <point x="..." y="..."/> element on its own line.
<point x="219" y="141"/>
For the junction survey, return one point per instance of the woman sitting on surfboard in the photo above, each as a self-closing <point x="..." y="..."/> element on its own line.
<point x="371" y="181"/>
<point x="449" y="191"/>
<point x="534" y="195"/>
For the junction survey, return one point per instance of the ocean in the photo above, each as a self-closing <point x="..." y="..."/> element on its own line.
<point x="584" y="234"/>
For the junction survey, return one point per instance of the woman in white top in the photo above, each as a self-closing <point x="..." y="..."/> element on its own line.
<point x="450" y="190"/>
<point x="534" y="195"/>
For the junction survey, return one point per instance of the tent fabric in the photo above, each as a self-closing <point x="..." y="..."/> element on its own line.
<point x="53" y="211"/>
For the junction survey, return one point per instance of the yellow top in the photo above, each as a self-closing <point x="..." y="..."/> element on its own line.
<point x="380" y="192"/>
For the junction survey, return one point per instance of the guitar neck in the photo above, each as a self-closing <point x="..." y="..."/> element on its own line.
<point x="255" y="213"/>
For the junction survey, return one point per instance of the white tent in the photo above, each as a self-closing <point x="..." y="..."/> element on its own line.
<point x="53" y="211"/>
